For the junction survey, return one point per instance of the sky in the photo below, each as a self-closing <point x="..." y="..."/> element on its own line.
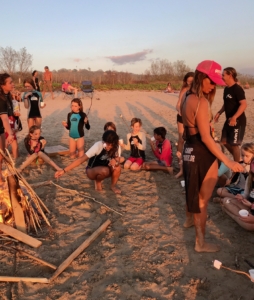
<point x="127" y="35"/>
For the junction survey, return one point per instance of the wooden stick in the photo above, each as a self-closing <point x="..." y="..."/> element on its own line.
<point x="31" y="256"/>
<point x="18" y="235"/>
<point x="35" y="185"/>
<point x="24" y="279"/>
<point x="80" y="249"/>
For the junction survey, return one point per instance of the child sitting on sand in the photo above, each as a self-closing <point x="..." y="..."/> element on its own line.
<point x="237" y="182"/>
<point x="162" y="150"/>
<point x="136" y="143"/>
<point x="35" y="145"/>
<point x="232" y="205"/>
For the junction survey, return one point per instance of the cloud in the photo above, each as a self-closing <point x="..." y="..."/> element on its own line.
<point x="129" y="58"/>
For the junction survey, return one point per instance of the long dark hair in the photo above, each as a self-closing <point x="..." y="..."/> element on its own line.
<point x="185" y="78"/>
<point x="34" y="72"/>
<point x="31" y="131"/>
<point x="112" y="138"/>
<point x="30" y="81"/>
<point x="79" y="102"/>
<point x="3" y="78"/>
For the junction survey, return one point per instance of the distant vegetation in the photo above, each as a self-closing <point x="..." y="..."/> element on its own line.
<point x="19" y="65"/>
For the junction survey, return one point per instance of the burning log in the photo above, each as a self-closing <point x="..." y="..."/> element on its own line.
<point x="19" y="204"/>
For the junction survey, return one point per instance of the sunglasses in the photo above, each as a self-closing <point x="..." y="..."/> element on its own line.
<point x="211" y="82"/>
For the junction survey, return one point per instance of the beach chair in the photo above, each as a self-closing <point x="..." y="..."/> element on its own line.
<point x="87" y="89"/>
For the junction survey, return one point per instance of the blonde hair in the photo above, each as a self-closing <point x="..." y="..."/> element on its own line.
<point x="197" y="87"/>
<point x="249" y="147"/>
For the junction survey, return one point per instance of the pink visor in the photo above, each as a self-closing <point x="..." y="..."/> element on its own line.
<point x="212" y="70"/>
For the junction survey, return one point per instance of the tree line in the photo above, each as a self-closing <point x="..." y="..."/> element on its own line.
<point x="18" y="63"/>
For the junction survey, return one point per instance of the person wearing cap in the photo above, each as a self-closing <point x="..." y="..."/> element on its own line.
<point x="200" y="151"/>
<point x="47" y="82"/>
<point x="234" y="107"/>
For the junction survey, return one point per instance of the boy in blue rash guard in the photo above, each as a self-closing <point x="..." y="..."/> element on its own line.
<point x="76" y="120"/>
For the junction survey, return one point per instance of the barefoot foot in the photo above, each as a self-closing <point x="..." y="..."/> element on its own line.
<point x="98" y="186"/>
<point x="170" y="170"/>
<point x="207" y="247"/>
<point x="115" y="189"/>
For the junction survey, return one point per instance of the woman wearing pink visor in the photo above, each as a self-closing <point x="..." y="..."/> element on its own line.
<point x="200" y="151"/>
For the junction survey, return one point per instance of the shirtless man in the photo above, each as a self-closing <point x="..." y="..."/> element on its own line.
<point x="47" y="82"/>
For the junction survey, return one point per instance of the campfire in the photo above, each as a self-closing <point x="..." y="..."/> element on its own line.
<point x="20" y="207"/>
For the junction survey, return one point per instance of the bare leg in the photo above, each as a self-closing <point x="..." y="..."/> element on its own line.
<point x="153" y="165"/>
<point x="200" y="218"/>
<point x="30" y="122"/>
<point x="232" y="207"/>
<point x="28" y="161"/>
<point x="80" y="146"/>
<point x="180" y="137"/>
<point x="48" y="160"/>
<point x="98" y="174"/>
<point x="2" y="145"/>
<point x="73" y="147"/>
<point x="14" y="149"/>
<point x="189" y="219"/>
<point x="235" y="151"/>
<point x="135" y="167"/>
<point x="222" y="192"/>
<point x="38" y="122"/>
<point x="127" y="164"/>
<point x="114" y="178"/>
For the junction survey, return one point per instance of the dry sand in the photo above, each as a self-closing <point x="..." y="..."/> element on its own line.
<point x="146" y="253"/>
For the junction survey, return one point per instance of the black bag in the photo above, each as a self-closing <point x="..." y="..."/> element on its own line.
<point x="18" y="124"/>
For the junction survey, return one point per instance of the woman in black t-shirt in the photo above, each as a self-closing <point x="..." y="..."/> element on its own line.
<point x="6" y="86"/>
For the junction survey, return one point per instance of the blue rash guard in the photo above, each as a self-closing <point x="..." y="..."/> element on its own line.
<point x="76" y="122"/>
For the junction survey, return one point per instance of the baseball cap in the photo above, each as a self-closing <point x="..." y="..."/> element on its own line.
<point x="212" y="69"/>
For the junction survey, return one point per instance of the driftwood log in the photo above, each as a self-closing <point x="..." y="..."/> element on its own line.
<point x="80" y="249"/>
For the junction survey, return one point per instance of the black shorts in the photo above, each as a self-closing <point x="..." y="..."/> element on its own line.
<point x="179" y="119"/>
<point x="233" y="135"/>
<point x="2" y="130"/>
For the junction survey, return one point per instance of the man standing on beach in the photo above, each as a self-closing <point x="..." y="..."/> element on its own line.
<point x="47" y="82"/>
<point x="234" y="107"/>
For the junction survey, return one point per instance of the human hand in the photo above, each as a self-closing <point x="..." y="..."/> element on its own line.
<point x="9" y="139"/>
<point x="234" y="166"/>
<point x="246" y="202"/>
<point x="43" y="142"/>
<point x="216" y="117"/>
<point x="249" y="219"/>
<point x="135" y="141"/>
<point x="232" y="121"/>
<point x="64" y="123"/>
<point x="179" y="154"/>
<point x="239" y="197"/>
<point x="59" y="173"/>
<point x="86" y="120"/>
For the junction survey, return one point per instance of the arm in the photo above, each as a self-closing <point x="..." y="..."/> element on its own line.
<point x="155" y="150"/>
<point x="73" y="165"/>
<point x="142" y="136"/>
<point x="241" y="109"/>
<point x="204" y="130"/>
<point x="26" y="101"/>
<point x="166" y="152"/>
<point x="128" y="145"/>
<point x="6" y="124"/>
<point x="87" y="125"/>
<point x="221" y="111"/>
<point x="179" y="102"/>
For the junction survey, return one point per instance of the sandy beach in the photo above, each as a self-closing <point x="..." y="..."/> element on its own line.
<point x="145" y="253"/>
